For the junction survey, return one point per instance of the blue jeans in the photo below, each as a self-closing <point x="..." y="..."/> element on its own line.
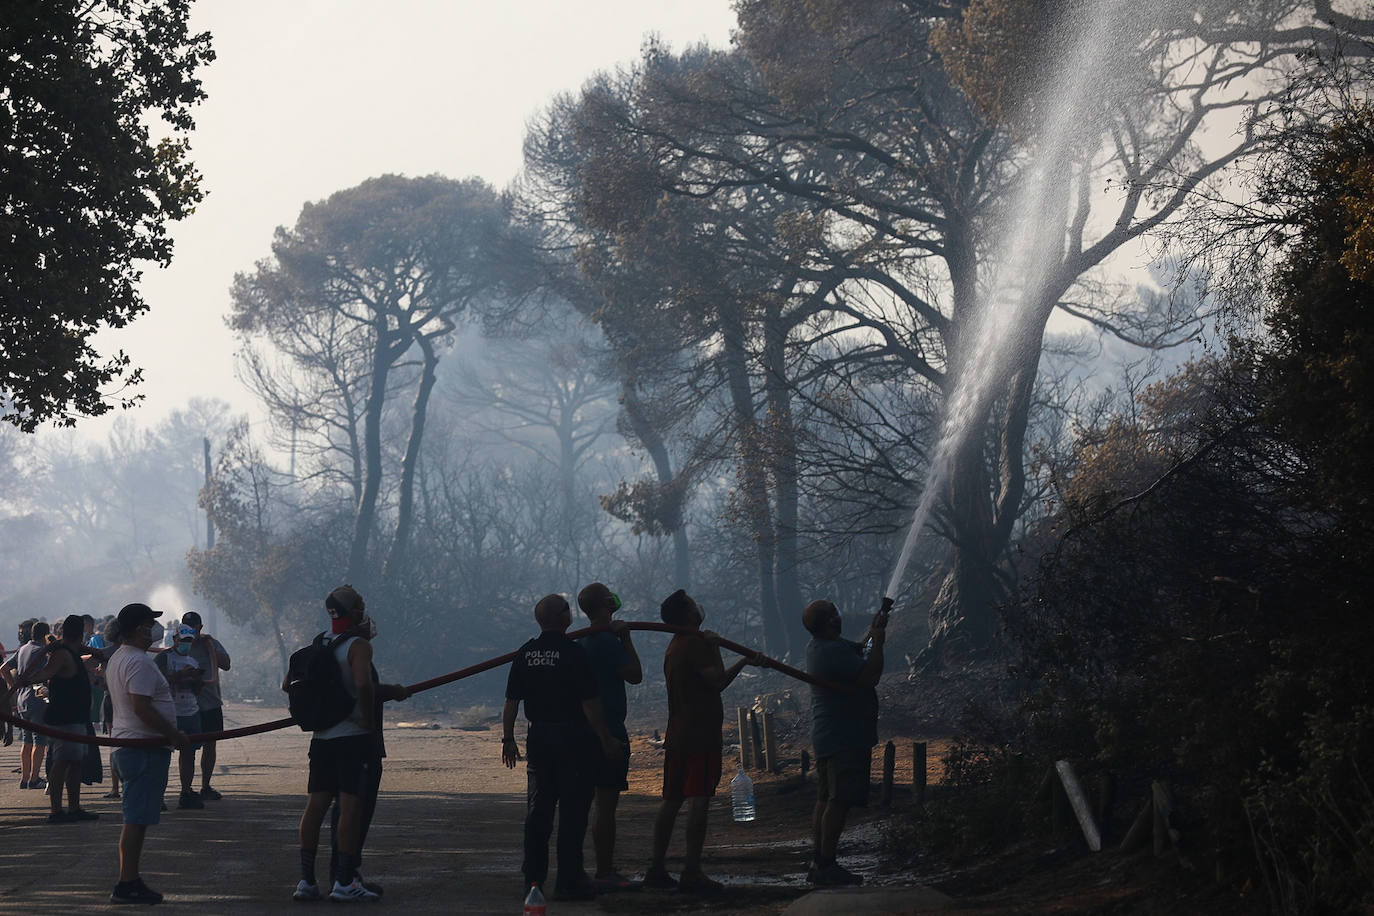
<point x="144" y="772"/>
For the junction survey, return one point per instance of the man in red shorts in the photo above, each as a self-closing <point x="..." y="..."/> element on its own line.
<point x="695" y="675"/>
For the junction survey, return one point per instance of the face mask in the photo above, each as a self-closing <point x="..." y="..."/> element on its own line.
<point x="615" y="602"/>
<point x="183" y="648"/>
<point x="339" y="624"/>
<point x="371" y="627"/>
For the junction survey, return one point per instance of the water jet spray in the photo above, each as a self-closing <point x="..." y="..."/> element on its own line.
<point x="1023" y="274"/>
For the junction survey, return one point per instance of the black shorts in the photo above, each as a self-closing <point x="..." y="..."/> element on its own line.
<point x="344" y="764"/>
<point x="844" y="777"/>
<point x="212" y="720"/>
<point x="612" y="774"/>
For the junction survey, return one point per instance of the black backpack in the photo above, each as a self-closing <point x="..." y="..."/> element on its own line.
<point x="315" y="690"/>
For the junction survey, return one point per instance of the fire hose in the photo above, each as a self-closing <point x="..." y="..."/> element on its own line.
<point x="441" y="680"/>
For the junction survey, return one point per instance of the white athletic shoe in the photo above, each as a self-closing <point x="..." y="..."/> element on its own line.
<point x="307" y="892"/>
<point x="354" y="890"/>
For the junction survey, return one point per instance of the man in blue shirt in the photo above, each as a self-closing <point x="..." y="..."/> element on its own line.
<point x="844" y="729"/>
<point x="615" y="664"/>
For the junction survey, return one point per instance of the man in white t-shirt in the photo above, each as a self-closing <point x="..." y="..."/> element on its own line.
<point x="143" y="708"/>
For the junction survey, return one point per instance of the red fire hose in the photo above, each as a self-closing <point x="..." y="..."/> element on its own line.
<point x="430" y="684"/>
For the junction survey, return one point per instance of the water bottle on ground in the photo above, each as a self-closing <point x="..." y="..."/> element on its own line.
<point x="534" y="902"/>
<point x="742" y="794"/>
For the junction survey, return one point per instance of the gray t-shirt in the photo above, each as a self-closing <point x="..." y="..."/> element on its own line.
<point x="209" y="697"/>
<point x="840" y="721"/>
<point x="26" y="699"/>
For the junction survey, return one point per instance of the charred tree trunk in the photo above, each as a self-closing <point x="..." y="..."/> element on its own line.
<point x="387" y="348"/>
<point x="783" y="445"/>
<point x="400" y="540"/>
<point x="983" y="511"/>
<point x="753" y="480"/>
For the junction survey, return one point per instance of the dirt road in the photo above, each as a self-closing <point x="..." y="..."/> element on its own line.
<point x="446" y="837"/>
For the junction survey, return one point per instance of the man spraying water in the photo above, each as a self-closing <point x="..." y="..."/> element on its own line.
<point x="844" y="728"/>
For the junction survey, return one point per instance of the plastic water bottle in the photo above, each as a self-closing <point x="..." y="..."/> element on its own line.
<point x="742" y="794"/>
<point x="534" y="902"/>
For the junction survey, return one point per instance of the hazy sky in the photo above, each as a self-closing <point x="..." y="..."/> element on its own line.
<point x="308" y="97"/>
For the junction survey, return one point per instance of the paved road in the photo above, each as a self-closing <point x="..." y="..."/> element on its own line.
<point x="446" y="838"/>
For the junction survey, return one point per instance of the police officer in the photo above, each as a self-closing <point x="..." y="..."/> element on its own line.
<point x="554" y="678"/>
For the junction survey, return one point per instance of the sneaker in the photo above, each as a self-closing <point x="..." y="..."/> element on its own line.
<point x="110" y="795"/>
<point x="39" y="783"/>
<point x="23" y="783"/>
<point x="190" y="799"/>
<point x="658" y="879"/>
<point x="59" y="817"/>
<point x="370" y="885"/>
<point x="81" y="814"/>
<point x="836" y="875"/>
<point x="615" y="881"/>
<point x="307" y="892"/>
<point x="812" y="871"/>
<point x="354" y="890"/>
<point x="210" y="794"/>
<point x="134" y="891"/>
<point x="696" y="882"/>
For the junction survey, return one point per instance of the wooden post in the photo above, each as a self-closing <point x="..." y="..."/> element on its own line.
<point x="745" y="755"/>
<point x="918" y="771"/>
<point x="757" y="738"/>
<point x="889" y="765"/>
<point x="770" y="745"/>
<point x="1079" y="801"/>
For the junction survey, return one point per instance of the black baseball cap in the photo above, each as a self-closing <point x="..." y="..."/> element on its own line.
<point x="133" y="616"/>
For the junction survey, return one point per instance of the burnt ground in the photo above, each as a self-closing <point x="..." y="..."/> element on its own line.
<point x="447" y="839"/>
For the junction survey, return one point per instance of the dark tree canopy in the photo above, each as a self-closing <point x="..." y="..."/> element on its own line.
<point x="85" y="191"/>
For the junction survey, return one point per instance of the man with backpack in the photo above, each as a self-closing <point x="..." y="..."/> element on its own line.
<point x="345" y="753"/>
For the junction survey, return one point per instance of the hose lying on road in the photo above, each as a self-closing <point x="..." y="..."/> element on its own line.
<point x="275" y="724"/>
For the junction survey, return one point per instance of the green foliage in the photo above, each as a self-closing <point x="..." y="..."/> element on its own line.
<point x="85" y="191"/>
<point x="1322" y="354"/>
<point x="1201" y="612"/>
<point x="980" y="805"/>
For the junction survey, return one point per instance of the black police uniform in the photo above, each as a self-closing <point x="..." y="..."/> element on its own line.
<point x="553" y="676"/>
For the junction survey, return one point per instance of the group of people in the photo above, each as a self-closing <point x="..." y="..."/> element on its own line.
<point x="577" y="748"/>
<point x="30" y="700"/>
<point x="66" y="680"/>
